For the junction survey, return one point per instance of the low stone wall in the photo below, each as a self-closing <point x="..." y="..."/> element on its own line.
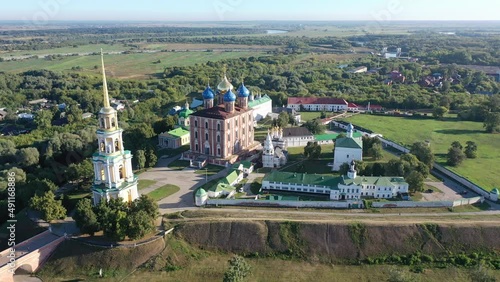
<point x="292" y="204"/>
<point x="432" y="204"/>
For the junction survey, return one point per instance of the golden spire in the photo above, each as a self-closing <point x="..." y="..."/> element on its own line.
<point x="104" y="83"/>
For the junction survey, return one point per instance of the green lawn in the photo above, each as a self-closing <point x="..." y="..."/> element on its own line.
<point x="482" y="170"/>
<point x="145" y="183"/>
<point x="296" y="153"/>
<point x="163" y="192"/>
<point x="306" y="116"/>
<point x="178" y="165"/>
<point x="210" y="170"/>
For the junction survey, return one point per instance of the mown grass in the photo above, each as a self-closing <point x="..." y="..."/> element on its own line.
<point x="210" y="170"/>
<point x="178" y="165"/>
<point x="145" y="183"/>
<point x="482" y="170"/>
<point x="163" y="192"/>
<point x="306" y="116"/>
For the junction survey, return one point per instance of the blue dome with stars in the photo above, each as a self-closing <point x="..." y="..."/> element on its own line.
<point x="208" y="93"/>
<point x="243" y="91"/>
<point x="229" y="96"/>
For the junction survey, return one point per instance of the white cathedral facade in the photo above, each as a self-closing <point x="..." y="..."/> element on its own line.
<point x="274" y="154"/>
<point x="113" y="175"/>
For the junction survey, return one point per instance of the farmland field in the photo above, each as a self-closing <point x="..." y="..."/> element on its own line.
<point x="483" y="170"/>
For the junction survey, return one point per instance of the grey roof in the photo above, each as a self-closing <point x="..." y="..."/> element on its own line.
<point x="296" y="131"/>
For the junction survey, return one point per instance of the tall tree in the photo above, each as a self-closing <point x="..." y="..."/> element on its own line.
<point x="456" y="144"/>
<point x="85" y="217"/>
<point x="43" y="119"/>
<point x="376" y="151"/>
<point x="415" y="181"/>
<point x="439" y="112"/>
<point x="492" y="122"/>
<point x="50" y="208"/>
<point x="140" y="156"/>
<point x="27" y="156"/>
<point x="151" y="157"/>
<point x="471" y="150"/>
<point x="139" y="224"/>
<point x="455" y="156"/>
<point x="423" y="152"/>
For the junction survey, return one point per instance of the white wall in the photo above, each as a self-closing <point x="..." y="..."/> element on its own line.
<point x="298" y="204"/>
<point x="433" y="204"/>
<point x="346" y="155"/>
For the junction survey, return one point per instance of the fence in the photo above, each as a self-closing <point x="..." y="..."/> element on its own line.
<point x="433" y="204"/>
<point x="291" y="204"/>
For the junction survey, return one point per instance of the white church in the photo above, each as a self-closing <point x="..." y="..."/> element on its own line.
<point x="274" y="154"/>
<point x="113" y="175"/>
<point x="347" y="149"/>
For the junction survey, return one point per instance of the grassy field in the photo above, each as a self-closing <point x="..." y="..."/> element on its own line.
<point x="145" y="183"/>
<point x="307" y="116"/>
<point x="136" y="65"/>
<point x="178" y="165"/>
<point x="163" y="192"/>
<point x="210" y="170"/>
<point x="482" y="170"/>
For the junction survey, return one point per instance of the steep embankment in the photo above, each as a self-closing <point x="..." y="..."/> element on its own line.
<point x="333" y="242"/>
<point x="75" y="259"/>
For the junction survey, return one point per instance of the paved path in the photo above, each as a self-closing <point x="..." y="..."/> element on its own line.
<point x="29" y="245"/>
<point x="186" y="179"/>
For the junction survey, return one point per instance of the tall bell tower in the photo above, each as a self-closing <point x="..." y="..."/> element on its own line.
<point x="113" y="175"/>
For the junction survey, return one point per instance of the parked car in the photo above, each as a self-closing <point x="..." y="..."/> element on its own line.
<point x="429" y="191"/>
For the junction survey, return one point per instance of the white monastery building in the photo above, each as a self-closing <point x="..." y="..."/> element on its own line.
<point x="316" y="104"/>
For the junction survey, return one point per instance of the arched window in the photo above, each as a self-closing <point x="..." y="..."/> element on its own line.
<point x="113" y="123"/>
<point x="195" y="123"/>
<point x="196" y="148"/>
<point x="196" y="134"/>
<point x="120" y="169"/>
<point x="218" y="138"/>
<point x="218" y="151"/>
<point x="206" y="124"/>
<point x="206" y="136"/>
<point x="117" y="146"/>
<point x="102" y="122"/>
<point x="102" y="147"/>
<point x="218" y="127"/>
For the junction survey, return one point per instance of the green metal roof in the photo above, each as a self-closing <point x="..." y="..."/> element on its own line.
<point x="178" y="132"/>
<point x="246" y="164"/>
<point x="219" y="187"/>
<point x="304" y="178"/>
<point x="495" y="191"/>
<point x="185" y="113"/>
<point x="333" y="136"/>
<point x="232" y="176"/>
<point x="201" y="192"/>
<point x="374" y="180"/>
<point x="262" y="100"/>
<point x="353" y="143"/>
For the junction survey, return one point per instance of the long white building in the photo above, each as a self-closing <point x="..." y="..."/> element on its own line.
<point x="317" y="104"/>
<point x="346" y="187"/>
<point x="261" y="106"/>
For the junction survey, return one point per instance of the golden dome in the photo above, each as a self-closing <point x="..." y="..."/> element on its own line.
<point x="225" y="85"/>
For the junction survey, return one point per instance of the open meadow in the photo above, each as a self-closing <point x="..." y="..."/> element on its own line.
<point x="441" y="133"/>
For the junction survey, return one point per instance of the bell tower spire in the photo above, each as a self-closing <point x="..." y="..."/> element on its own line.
<point x="104" y="83"/>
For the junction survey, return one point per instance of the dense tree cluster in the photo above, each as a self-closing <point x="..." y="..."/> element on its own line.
<point x="116" y="218"/>
<point x="457" y="153"/>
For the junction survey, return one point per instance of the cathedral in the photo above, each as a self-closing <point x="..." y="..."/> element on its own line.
<point x="224" y="128"/>
<point x="113" y="175"/>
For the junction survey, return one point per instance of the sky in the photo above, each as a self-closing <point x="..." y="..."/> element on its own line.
<point x="248" y="10"/>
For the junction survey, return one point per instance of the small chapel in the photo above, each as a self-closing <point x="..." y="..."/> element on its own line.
<point x="347" y="149"/>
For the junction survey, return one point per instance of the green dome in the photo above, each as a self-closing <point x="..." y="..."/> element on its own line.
<point x="495" y="191"/>
<point x="201" y="192"/>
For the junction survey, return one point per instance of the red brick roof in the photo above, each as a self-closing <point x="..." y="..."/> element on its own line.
<point x="352" y="105"/>
<point x="316" y="100"/>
